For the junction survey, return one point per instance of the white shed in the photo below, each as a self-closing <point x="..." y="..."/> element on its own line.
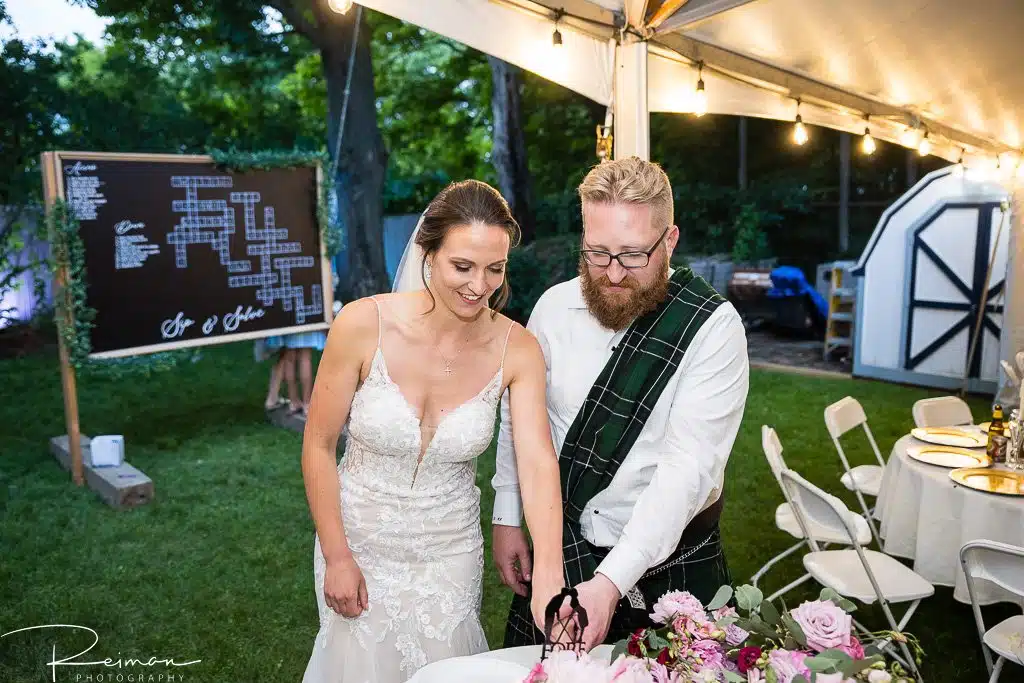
<point x="922" y="278"/>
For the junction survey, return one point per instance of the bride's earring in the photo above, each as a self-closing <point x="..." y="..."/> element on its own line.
<point x="426" y="271"/>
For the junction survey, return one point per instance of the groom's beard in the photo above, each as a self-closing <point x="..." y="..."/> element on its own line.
<point x="616" y="309"/>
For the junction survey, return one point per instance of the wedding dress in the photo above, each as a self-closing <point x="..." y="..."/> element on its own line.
<point x="413" y="526"/>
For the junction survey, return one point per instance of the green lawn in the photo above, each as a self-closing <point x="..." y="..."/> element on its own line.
<point x="218" y="567"/>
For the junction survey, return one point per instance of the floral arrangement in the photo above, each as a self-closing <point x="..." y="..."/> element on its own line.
<point x="758" y="643"/>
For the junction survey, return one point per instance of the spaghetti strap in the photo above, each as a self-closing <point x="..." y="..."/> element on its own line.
<point x="380" y="322"/>
<point x="505" y="349"/>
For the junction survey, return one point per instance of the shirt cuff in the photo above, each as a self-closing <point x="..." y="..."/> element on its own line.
<point x="624" y="565"/>
<point x="508" y="508"/>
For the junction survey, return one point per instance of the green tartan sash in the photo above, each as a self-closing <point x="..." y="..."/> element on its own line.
<point x="620" y="402"/>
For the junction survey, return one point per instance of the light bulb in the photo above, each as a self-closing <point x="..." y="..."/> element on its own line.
<point x="909" y="138"/>
<point x="867" y="145"/>
<point x="340" y="6"/>
<point x="925" y="148"/>
<point x="700" y="100"/>
<point x="799" y="131"/>
<point x="958" y="170"/>
<point x="556" y="37"/>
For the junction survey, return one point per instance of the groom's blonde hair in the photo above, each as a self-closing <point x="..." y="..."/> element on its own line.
<point x="631" y="181"/>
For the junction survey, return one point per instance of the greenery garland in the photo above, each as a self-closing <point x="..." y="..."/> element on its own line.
<point x="74" y="315"/>
<point x="234" y="160"/>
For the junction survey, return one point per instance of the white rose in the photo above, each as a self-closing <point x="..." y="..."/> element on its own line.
<point x="876" y="676"/>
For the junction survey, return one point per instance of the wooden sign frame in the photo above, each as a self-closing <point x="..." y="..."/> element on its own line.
<point x="53" y="190"/>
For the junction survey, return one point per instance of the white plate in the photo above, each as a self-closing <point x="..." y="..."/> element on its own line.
<point x="950" y="436"/>
<point x="947" y="456"/>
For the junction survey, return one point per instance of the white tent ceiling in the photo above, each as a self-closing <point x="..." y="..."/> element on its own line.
<point x="942" y="66"/>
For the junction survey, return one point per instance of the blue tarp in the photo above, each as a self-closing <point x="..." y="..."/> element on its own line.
<point x="788" y="281"/>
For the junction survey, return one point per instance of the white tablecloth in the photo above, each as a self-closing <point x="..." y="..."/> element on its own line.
<point x="450" y="670"/>
<point x="926" y="518"/>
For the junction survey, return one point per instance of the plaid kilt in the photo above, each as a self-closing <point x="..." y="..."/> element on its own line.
<point x="609" y="423"/>
<point x="698" y="567"/>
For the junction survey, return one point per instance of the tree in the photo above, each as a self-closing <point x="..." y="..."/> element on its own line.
<point x="246" y="30"/>
<point x="508" y="152"/>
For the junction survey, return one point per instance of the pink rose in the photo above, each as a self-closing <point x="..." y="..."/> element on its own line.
<point x="734" y="635"/>
<point x="824" y="623"/>
<point x="675" y="604"/>
<point x="854" y="649"/>
<point x="787" y="664"/>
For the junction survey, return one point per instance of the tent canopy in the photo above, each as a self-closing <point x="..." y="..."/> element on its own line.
<point x="913" y="66"/>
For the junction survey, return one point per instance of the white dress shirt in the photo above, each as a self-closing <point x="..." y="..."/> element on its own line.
<point x="677" y="465"/>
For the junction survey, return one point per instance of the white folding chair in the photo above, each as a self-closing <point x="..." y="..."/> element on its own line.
<point x="943" y="411"/>
<point x="1003" y="565"/>
<point x="785" y="518"/>
<point x="864" y="480"/>
<point x="863" y="575"/>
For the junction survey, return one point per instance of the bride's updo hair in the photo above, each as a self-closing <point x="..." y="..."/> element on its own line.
<point x="465" y="203"/>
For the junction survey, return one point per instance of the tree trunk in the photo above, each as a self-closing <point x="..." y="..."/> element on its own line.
<point x="363" y="159"/>
<point x="508" y="153"/>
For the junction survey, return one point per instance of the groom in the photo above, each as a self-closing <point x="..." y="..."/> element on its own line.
<point x="647" y="381"/>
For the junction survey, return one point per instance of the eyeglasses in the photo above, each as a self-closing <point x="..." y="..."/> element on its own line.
<point x="627" y="259"/>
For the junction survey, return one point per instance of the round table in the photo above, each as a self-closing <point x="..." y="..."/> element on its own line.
<point x="525" y="657"/>
<point x="925" y="517"/>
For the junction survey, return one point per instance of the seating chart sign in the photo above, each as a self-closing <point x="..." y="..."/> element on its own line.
<point x="181" y="253"/>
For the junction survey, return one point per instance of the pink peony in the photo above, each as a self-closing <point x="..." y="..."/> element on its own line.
<point x="755" y="676"/>
<point x="708" y="653"/>
<point x="787" y="664"/>
<point x="693" y="628"/>
<point x="678" y="603"/>
<point x="824" y="623"/>
<point x="854" y="649"/>
<point x="734" y="635"/>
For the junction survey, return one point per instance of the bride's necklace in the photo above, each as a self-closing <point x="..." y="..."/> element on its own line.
<point x="447" y="362"/>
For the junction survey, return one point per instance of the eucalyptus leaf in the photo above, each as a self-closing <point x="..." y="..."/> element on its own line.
<point x="732" y="677"/>
<point x="794" y="629"/>
<point x="769" y="613"/>
<point x="656" y="641"/>
<point x="855" y="666"/>
<point x="748" y="598"/>
<point x="721" y="598"/>
<point x="620" y="648"/>
<point x="799" y="678"/>
<point x="821" y="664"/>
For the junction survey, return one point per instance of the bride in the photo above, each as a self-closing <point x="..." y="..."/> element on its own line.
<point x="416" y="377"/>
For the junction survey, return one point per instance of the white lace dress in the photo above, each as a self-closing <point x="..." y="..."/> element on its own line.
<point x="414" y="531"/>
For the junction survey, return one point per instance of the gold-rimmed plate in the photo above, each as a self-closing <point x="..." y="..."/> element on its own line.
<point x="985" y="425"/>
<point x="950" y="436"/>
<point x="990" y="480"/>
<point x="948" y="456"/>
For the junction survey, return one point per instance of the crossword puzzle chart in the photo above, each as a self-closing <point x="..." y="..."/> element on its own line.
<point x="180" y="253"/>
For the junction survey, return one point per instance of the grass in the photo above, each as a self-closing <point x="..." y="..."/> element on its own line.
<point x="218" y="567"/>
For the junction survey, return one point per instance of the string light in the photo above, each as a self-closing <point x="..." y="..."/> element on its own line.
<point x="340" y="6"/>
<point x="556" y="37"/>
<point x="700" y="98"/>
<point x="799" y="130"/>
<point x="867" y="144"/>
<point x="909" y="138"/>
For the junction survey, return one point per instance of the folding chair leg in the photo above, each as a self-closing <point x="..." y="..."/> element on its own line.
<point x="998" y="669"/>
<point x="867" y="516"/>
<point x="775" y="560"/>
